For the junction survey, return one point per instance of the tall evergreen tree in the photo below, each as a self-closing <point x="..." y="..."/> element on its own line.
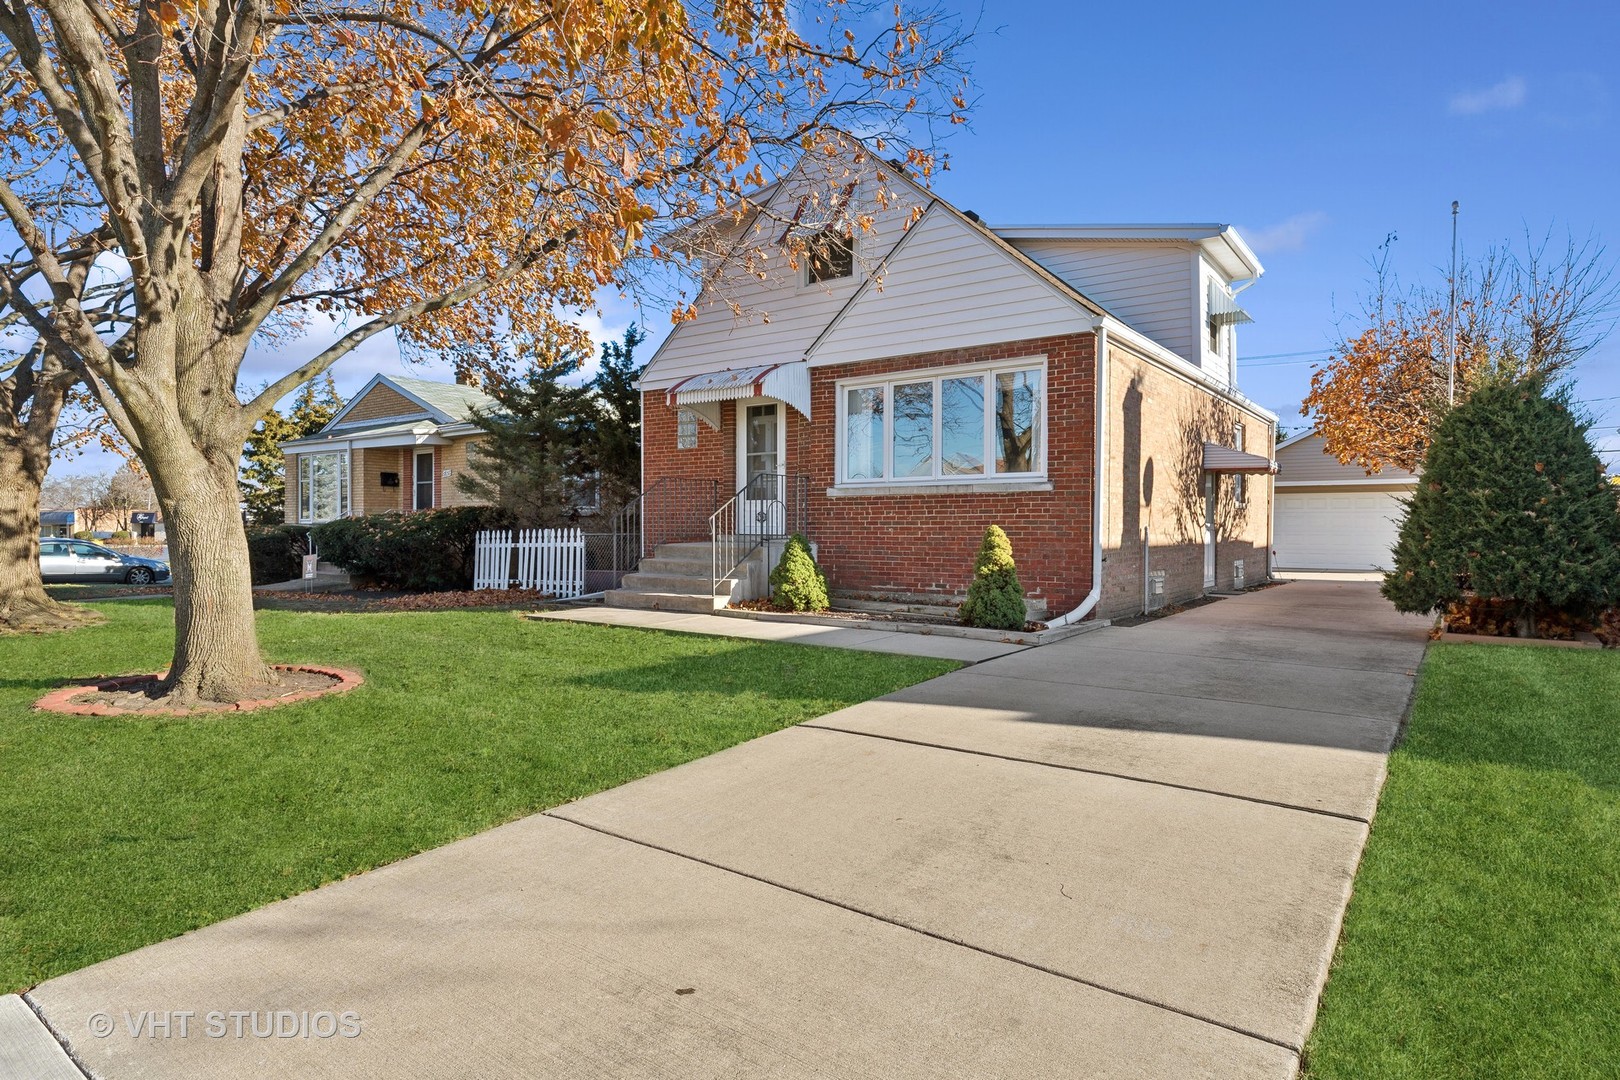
<point x="532" y="461"/>
<point x="1513" y="505"/>
<point x="263" y="477"/>
<point x="614" y="450"/>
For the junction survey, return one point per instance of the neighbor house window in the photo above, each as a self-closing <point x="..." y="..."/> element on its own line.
<point x="959" y="425"/>
<point x="424" y="480"/>
<point x="831" y="255"/>
<point x="686" y="422"/>
<point x="323" y="486"/>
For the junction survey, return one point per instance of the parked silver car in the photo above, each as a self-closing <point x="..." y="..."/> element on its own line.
<point x="80" y="560"/>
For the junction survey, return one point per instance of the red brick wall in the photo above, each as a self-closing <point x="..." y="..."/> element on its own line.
<point x="925" y="544"/>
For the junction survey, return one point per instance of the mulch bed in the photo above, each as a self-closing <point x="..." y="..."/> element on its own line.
<point x="141" y="695"/>
<point x="379" y="600"/>
<point x="867" y="616"/>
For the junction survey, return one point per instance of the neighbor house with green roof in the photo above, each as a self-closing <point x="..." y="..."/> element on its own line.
<point x="398" y="445"/>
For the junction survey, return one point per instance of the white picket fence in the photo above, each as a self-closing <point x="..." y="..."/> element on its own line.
<point x="549" y="560"/>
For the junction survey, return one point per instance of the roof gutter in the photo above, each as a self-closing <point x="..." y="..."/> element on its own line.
<point x="1101" y="425"/>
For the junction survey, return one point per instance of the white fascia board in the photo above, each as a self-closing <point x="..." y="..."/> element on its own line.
<point x="1175" y="233"/>
<point x="1292" y="439"/>
<point x="1176" y="365"/>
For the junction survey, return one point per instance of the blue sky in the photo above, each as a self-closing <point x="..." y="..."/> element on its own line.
<point x="1315" y="131"/>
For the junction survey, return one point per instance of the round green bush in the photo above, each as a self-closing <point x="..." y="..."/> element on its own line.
<point x="797" y="583"/>
<point x="995" y="599"/>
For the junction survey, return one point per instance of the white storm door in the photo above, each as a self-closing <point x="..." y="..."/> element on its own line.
<point x="761" y="467"/>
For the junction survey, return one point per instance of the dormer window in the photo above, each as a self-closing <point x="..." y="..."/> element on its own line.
<point x="830" y="256"/>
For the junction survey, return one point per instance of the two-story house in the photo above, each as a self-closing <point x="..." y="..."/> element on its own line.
<point x="929" y="375"/>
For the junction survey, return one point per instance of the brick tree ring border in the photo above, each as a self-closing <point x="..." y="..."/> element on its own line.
<point x="61" y="699"/>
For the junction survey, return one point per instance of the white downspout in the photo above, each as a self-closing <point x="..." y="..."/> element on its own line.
<point x="1101" y="466"/>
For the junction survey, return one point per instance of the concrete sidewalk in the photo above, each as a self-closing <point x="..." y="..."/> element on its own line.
<point x="1122" y="855"/>
<point x="944" y="647"/>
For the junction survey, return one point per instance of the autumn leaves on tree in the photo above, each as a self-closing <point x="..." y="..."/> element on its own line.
<point x="1518" y="314"/>
<point x="452" y="173"/>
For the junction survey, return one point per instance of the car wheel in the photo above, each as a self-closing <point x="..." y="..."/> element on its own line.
<point x="139" y="575"/>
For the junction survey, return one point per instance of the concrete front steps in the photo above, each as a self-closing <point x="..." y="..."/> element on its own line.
<point x="676" y="577"/>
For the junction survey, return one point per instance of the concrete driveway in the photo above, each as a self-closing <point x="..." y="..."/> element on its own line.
<point x="1122" y="855"/>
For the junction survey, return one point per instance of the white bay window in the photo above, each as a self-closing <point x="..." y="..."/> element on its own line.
<point x="323" y="486"/>
<point x="958" y="425"/>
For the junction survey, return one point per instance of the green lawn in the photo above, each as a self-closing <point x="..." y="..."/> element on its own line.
<point x="1483" y="940"/>
<point x="121" y="832"/>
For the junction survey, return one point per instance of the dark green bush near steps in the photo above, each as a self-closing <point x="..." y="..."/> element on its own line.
<point x="995" y="599"/>
<point x="426" y="551"/>
<point x="276" y="552"/>
<point x="797" y="583"/>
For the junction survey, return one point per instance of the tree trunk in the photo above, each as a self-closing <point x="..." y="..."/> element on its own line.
<point x="216" y="644"/>
<point x="24" y="604"/>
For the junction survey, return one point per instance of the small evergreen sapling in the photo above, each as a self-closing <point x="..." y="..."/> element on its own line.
<point x="1512" y="507"/>
<point x="797" y="583"/>
<point x="995" y="599"/>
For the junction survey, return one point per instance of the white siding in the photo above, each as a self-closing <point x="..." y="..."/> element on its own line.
<point x="1306" y="461"/>
<point x="948" y="287"/>
<point x="1148" y="286"/>
<point x="780" y="316"/>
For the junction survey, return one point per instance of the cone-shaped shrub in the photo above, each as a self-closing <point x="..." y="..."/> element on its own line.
<point x="1512" y="506"/>
<point x="797" y="583"/>
<point x="995" y="599"/>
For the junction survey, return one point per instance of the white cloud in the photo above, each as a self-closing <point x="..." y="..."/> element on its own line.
<point x="1290" y="234"/>
<point x="1510" y="93"/>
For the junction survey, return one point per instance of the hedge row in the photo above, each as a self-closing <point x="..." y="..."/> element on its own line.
<point x="426" y="551"/>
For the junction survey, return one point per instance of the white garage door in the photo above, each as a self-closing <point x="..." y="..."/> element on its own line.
<point x="1348" y="530"/>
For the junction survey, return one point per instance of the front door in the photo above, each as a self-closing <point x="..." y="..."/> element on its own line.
<point x="1209" y="531"/>
<point x="761" y="467"/>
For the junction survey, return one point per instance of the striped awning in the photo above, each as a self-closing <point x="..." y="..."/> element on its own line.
<point x="1224" y="310"/>
<point x="1223" y="459"/>
<point x="785" y="382"/>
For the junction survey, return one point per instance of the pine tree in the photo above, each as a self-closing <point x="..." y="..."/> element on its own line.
<point x="1512" y="506"/>
<point x="263" y="474"/>
<point x="532" y="460"/>
<point x="995" y="599"/>
<point x="797" y="583"/>
<point x="614" y="448"/>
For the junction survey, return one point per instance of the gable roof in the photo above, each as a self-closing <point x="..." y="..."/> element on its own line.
<point x="444" y="403"/>
<point x="1022" y="298"/>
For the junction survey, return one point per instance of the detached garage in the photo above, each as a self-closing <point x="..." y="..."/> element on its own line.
<point x="1332" y="516"/>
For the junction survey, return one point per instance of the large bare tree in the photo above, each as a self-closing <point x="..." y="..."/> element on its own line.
<point x="456" y="172"/>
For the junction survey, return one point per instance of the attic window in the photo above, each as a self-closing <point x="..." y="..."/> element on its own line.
<point x="831" y="256"/>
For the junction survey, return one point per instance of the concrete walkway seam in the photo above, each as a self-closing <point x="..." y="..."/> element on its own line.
<point x="903" y="925"/>
<point x="1093" y="772"/>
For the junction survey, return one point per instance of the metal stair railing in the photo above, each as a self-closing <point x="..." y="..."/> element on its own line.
<point x="771" y="506"/>
<point x="671" y="510"/>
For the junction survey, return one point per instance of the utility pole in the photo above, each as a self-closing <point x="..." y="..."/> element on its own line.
<point x="1451" y="318"/>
